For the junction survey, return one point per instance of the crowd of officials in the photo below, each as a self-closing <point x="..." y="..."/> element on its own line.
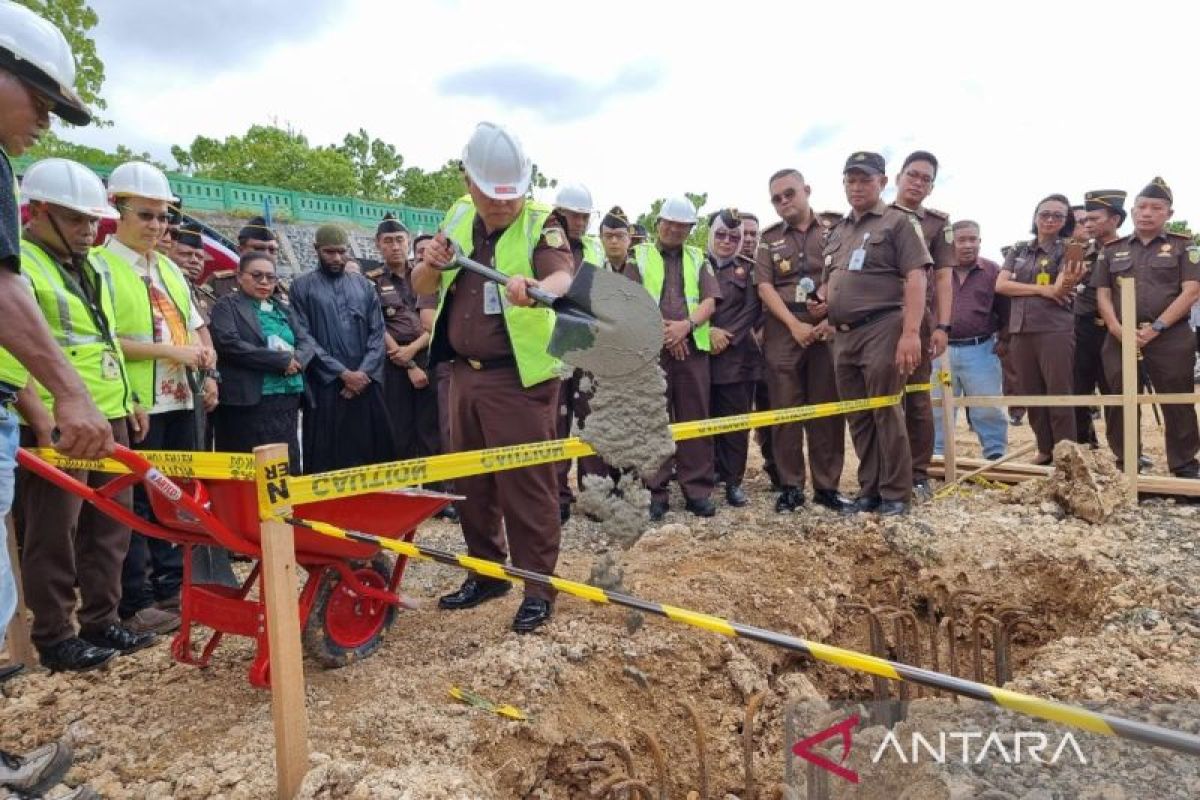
<point x="116" y="341"/>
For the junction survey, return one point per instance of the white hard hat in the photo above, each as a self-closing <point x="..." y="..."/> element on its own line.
<point x="68" y="184"/>
<point x="574" y="197"/>
<point x="37" y="53"/>
<point x="678" y="209"/>
<point x="496" y="162"/>
<point x="139" y="179"/>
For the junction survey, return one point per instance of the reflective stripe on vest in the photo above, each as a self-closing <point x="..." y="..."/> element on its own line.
<point x="650" y="262"/>
<point x="529" y="329"/>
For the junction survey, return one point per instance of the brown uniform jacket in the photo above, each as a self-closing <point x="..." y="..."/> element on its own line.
<point x="786" y="256"/>
<point x="401" y="305"/>
<point x="939" y="238"/>
<point x="1159" y="269"/>
<point x="1026" y="261"/>
<point x="221" y="283"/>
<point x="737" y="312"/>
<point x="204" y="300"/>
<point x="892" y="245"/>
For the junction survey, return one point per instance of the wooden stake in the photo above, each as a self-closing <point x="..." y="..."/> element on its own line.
<point x="946" y="382"/>
<point x="989" y="465"/>
<point x="279" y="585"/>
<point x="1129" y="384"/>
<point x="20" y="646"/>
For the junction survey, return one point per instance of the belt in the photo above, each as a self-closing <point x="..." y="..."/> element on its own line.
<point x="1098" y="322"/>
<point x="797" y="307"/>
<point x="874" y="315"/>
<point x="969" y="342"/>
<point x="483" y="364"/>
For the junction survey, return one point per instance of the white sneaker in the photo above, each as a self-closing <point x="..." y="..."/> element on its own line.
<point x="36" y="771"/>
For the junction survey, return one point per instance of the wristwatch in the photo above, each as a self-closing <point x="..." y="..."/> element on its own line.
<point x="1158" y="326"/>
<point x="692" y="323"/>
<point x="942" y="326"/>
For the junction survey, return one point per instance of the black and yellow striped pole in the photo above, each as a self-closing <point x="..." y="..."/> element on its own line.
<point x="1053" y="710"/>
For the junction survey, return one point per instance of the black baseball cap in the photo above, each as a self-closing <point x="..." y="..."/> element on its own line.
<point x="870" y="163"/>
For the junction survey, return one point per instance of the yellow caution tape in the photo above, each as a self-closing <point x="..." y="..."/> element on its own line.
<point x="172" y="463"/>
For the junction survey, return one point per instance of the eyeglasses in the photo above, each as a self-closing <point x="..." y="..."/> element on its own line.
<point x="262" y="277"/>
<point x="725" y="236"/>
<point x="919" y="177"/>
<point x="1051" y="216"/>
<point x="148" y="217"/>
<point x="786" y="194"/>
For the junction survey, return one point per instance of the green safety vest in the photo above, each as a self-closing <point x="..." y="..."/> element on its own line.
<point x="593" y="253"/>
<point x="135" y="319"/>
<point x="82" y="331"/>
<point x="11" y="371"/>
<point x="529" y="329"/>
<point x="650" y="262"/>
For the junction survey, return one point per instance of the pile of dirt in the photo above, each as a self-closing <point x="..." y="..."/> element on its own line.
<point x="1085" y="483"/>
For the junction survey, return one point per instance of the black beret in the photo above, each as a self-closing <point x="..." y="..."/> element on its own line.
<point x="730" y="218"/>
<point x="190" y="234"/>
<point x="1157" y="189"/>
<point x="390" y="224"/>
<point x="257" y="230"/>
<point x="615" y="219"/>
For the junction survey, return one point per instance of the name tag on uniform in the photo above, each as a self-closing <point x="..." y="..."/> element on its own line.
<point x="491" y="299"/>
<point x="856" y="260"/>
<point x="109" y="369"/>
<point x="278" y="343"/>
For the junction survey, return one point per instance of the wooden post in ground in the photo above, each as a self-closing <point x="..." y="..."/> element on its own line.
<point x="1129" y="385"/>
<point x="279" y="587"/>
<point x="943" y="379"/>
<point x="20" y="647"/>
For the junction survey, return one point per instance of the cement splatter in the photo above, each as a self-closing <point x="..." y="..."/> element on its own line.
<point x="620" y="510"/>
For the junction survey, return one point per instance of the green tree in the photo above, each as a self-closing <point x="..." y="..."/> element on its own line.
<point x="52" y="146"/>
<point x="270" y="156"/>
<point x="437" y="189"/>
<point x="76" y="19"/>
<point x="377" y="165"/>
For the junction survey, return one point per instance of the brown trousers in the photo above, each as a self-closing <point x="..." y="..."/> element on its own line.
<point x="1009" y="372"/>
<point x="67" y="542"/>
<point x="413" y="414"/>
<point x="489" y="408"/>
<point x="568" y="395"/>
<point x="441" y="373"/>
<point x="918" y="410"/>
<point x="1089" y="376"/>
<point x="687" y="399"/>
<point x="1168" y="363"/>
<point x="865" y="361"/>
<point x="805" y="376"/>
<point x="765" y="436"/>
<point x="1045" y="365"/>
<point x="731" y="449"/>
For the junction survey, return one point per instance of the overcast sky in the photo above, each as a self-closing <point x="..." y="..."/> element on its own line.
<point x="640" y="100"/>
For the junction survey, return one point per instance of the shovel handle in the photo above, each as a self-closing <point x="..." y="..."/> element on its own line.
<point x="540" y="295"/>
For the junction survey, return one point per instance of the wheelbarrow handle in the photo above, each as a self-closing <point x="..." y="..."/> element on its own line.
<point x="540" y="295"/>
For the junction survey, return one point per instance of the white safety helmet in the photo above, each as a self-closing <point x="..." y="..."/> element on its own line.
<point x="69" y="184"/>
<point x="496" y="162"/>
<point x="36" y="52"/>
<point x="678" y="209"/>
<point x="574" y="197"/>
<point x="139" y="179"/>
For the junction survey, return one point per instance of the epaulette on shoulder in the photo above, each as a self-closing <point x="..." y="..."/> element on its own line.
<point x="225" y="273"/>
<point x="1185" y="236"/>
<point x="374" y="274"/>
<point x="933" y="212"/>
<point x="776" y="226"/>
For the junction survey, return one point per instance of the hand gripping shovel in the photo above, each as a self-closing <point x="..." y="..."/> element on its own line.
<point x="605" y="323"/>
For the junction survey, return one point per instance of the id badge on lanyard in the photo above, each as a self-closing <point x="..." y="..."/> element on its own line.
<point x="859" y="256"/>
<point x="110" y="370"/>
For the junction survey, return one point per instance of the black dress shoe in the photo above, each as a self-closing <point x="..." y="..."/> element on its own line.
<point x="74" y="655"/>
<point x="658" y="510"/>
<point x="473" y="592"/>
<point x="893" y="508"/>
<point x="702" y="507"/>
<point x="735" y="496"/>
<point x="10" y="671"/>
<point x="831" y="499"/>
<point x="790" y="498"/>
<point x="1192" y="472"/>
<point x="449" y="513"/>
<point x="564" y="512"/>
<point x="533" y="614"/>
<point x="119" y="638"/>
<point x="863" y="505"/>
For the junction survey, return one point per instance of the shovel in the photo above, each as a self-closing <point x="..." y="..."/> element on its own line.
<point x="605" y="323"/>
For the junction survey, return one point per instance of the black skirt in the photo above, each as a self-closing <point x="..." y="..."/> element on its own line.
<point x="275" y="420"/>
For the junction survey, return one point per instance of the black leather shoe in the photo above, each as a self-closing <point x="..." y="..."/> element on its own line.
<point x="564" y="512"/>
<point x="1192" y="472"/>
<point x="831" y="499"/>
<point x="702" y="507"/>
<point x="735" y="496"/>
<point x="863" y="505"/>
<point x="9" y="671"/>
<point x="893" y="508"/>
<point x="119" y="638"/>
<point x="74" y="655"/>
<point x="533" y="614"/>
<point x="473" y="592"/>
<point x="790" y="498"/>
<point x="658" y="510"/>
<point x="449" y="513"/>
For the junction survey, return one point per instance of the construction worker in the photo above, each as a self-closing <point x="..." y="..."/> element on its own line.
<point x="254" y="237"/>
<point x="1166" y="268"/>
<point x="37" y="73"/>
<point x="680" y="280"/>
<point x="913" y="185"/>
<point x="1104" y="211"/>
<point x="875" y="265"/>
<point x="76" y="295"/>
<point x="504" y="385"/>
<point x="799" y="359"/>
<point x="734" y="361"/>
<point x="161" y="335"/>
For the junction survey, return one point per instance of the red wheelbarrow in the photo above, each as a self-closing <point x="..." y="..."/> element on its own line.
<point x="350" y="596"/>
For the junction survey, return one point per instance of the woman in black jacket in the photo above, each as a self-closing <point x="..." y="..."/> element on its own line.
<point x="263" y="349"/>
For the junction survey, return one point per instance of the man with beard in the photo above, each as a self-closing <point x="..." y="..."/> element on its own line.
<point x="913" y="186"/>
<point x="348" y="425"/>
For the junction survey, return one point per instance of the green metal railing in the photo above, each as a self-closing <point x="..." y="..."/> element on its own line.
<point x="201" y="194"/>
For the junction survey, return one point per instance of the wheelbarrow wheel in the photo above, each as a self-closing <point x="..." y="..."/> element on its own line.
<point x="344" y="627"/>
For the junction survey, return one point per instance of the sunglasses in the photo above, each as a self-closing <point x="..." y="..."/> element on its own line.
<point x="725" y="236"/>
<point x="917" y="177"/>
<point x="149" y="216"/>
<point x="1051" y="216"/>
<point x="262" y="277"/>
<point x="786" y="194"/>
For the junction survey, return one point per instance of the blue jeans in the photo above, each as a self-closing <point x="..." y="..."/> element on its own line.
<point x="9" y="435"/>
<point x="975" y="370"/>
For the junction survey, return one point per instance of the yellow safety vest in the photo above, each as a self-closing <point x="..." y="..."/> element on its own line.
<point x="83" y="331"/>
<point x="135" y="318"/>
<point x="529" y="329"/>
<point x="11" y="371"/>
<point x="650" y="262"/>
<point x="593" y="253"/>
